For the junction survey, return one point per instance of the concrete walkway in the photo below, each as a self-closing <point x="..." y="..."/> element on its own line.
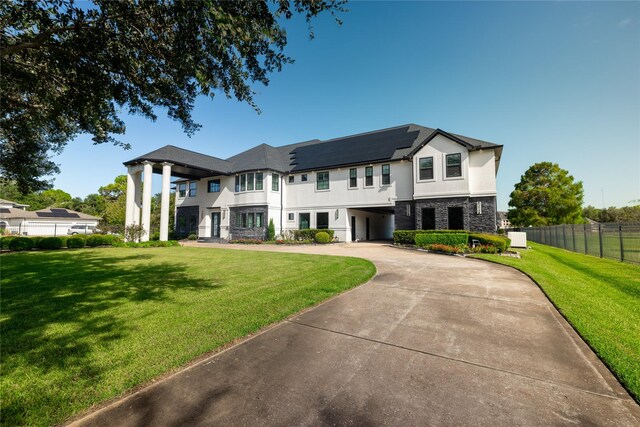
<point x="430" y="340"/>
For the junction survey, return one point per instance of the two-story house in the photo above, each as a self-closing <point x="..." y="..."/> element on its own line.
<point x="362" y="186"/>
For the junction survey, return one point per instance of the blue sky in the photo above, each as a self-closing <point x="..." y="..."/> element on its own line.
<point x="551" y="81"/>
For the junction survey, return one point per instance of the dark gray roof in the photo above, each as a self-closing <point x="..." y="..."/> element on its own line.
<point x="377" y="146"/>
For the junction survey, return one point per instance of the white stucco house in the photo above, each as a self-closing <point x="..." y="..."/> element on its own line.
<point x="15" y="219"/>
<point x="363" y="186"/>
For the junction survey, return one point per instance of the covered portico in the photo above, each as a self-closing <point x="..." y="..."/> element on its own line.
<point x="169" y="161"/>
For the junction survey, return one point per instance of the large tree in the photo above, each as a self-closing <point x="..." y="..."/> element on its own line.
<point x="72" y="68"/>
<point x="546" y="195"/>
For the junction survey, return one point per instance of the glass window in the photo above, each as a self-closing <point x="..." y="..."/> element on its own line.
<point x="275" y="182"/>
<point x="303" y="177"/>
<point x="426" y="168"/>
<point x="368" y="176"/>
<point x="259" y="219"/>
<point x="454" y="165"/>
<point x="258" y="180"/>
<point x="250" y="217"/>
<point x="353" y="177"/>
<point x="305" y="219"/>
<point x="193" y="189"/>
<point x="214" y="186"/>
<point x="322" y="220"/>
<point x="238" y="220"/>
<point x="244" y="220"/>
<point x="322" y="180"/>
<point x="237" y="183"/>
<point x="292" y="178"/>
<point x="182" y="189"/>
<point x="243" y="182"/>
<point x="290" y="217"/>
<point x="250" y="182"/>
<point x="386" y="175"/>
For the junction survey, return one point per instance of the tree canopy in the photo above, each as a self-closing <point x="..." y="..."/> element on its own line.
<point x="613" y="214"/>
<point x="72" y="68"/>
<point x="546" y="195"/>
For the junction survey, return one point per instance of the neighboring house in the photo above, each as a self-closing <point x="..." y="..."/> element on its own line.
<point x="502" y="220"/>
<point x="362" y="186"/>
<point x="15" y="219"/>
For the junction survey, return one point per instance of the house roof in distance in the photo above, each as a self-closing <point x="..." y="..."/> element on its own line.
<point x="394" y="143"/>
<point x="48" y="214"/>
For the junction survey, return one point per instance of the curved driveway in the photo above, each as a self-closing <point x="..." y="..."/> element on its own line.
<point x="430" y="340"/>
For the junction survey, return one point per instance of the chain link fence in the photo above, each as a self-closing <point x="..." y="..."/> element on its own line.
<point x="609" y="240"/>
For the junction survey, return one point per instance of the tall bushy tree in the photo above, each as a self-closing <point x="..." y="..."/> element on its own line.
<point x="546" y="195"/>
<point x="71" y="68"/>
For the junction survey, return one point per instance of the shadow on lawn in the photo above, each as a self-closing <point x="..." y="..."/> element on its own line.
<point x="57" y="307"/>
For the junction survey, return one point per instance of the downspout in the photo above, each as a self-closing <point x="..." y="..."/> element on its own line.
<point x="281" y="203"/>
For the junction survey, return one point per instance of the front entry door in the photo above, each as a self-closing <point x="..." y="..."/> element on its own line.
<point x="368" y="236"/>
<point x="215" y="224"/>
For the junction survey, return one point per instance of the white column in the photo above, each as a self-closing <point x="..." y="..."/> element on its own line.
<point x="146" y="200"/>
<point x="131" y="196"/>
<point x="137" y="197"/>
<point x="164" y="201"/>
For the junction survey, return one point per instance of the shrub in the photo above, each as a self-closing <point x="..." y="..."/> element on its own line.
<point x="322" y="237"/>
<point x="192" y="237"/>
<point x="271" y="230"/>
<point x="155" y="236"/>
<point x="501" y="243"/>
<point x="408" y="237"/>
<point x="21" y="244"/>
<point x="36" y="241"/>
<point x="310" y="234"/>
<point x="63" y="239"/>
<point x="446" y="249"/>
<point x="76" y="242"/>
<point x="4" y="242"/>
<point x="111" y="239"/>
<point x="133" y="232"/>
<point x="96" y="240"/>
<point x="450" y="239"/>
<point x="50" y="243"/>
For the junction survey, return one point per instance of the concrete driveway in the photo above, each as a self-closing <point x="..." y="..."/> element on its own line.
<point x="430" y="340"/>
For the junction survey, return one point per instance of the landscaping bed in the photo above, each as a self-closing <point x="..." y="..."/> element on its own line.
<point x="84" y="326"/>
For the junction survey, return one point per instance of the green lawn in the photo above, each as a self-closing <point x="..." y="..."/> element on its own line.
<point x="79" y="327"/>
<point x="599" y="297"/>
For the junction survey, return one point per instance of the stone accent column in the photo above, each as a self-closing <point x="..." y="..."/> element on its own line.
<point x="164" y="201"/>
<point x="146" y="200"/>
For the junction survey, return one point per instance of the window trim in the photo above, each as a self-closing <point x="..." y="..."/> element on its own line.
<point x="291" y="216"/>
<point x="195" y="184"/>
<point x="367" y="169"/>
<point x="433" y="170"/>
<point x="317" y="222"/>
<point x="445" y="172"/>
<point x="261" y="181"/>
<point x="304" y="177"/>
<point x="328" y="180"/>
<point x="349" y="178"/>
<point x="387" y="175"/>
<point x="291" y="179"/>
<point x="275" y="182"/>
<point x="210" y="182"/>
<point x="182" y="193"/>
<point x="300" y="219"/>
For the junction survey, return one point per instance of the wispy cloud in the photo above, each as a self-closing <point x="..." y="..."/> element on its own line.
<point x="623" y="23"/>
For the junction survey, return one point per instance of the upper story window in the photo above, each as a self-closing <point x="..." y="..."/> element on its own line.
<point x="214" y="186"/>
<point x="243" y="182"/>
<point x="454" y="165"/>
<point x="259" y="181"/>
<point x="193" y="189"/>
<point x="386" y="174"/>
<point x="182" y="189"/>
<point x="292" y="178"/>
<point x="250" y="182"/>
<point x="322" y="181"/>
<point x="237" y="183"/>
<point x="368" y="176"/>
<point x="426" y="168"/>
<point x="275" y="182"/>
<point x="353" y="178"/>
<point x="303" y="177"/>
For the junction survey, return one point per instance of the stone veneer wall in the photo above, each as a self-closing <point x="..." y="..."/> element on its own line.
<point x="188" y="213"/>
<point x="485" y="222"/>
<point x="248" y="233"/>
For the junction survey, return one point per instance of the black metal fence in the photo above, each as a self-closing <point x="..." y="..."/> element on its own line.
<point x="609" y="240"/>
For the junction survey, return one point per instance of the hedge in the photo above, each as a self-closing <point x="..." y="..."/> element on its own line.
<point x="21" y="244"/>
<point x="408" y="237"/>
<point x="450" y="239"/>
<point x="35" y="240"/>
<point x="98" y="240"/>
<point x="4" y="242"/>
<point x="501" y="243"/>
<point x="50" y="243"/>
<point x="310" y="234"/>
<point x="76" y="241"/>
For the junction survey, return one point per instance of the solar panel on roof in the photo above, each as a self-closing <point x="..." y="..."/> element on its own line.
<point x="355" y="149"/>
<point x="45" y="214"/>
<point x="4" y="210"/>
